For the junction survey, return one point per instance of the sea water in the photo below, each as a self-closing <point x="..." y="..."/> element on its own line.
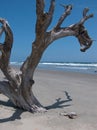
<point x="84" y="67"/>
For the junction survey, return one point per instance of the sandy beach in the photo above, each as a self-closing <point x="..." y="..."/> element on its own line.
<point x="59" y="92"/>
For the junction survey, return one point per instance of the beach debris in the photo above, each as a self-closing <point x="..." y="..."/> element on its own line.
<point x="70" y="115"/>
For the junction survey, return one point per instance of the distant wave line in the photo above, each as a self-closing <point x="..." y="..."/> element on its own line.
<point x="70" y="64"/>
<point x="61" y="64"/>
<point x="82" y="67"/>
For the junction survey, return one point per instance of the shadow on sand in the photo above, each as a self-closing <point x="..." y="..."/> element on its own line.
<point x="60" y="103"/>
<point x="15" y="115"/>
<point x="17" y="112"/>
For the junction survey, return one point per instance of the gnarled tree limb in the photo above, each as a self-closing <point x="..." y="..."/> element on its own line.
<point x="19" y="87"/>
<point x="5" y="49"/>
<point x="78" y="30"/>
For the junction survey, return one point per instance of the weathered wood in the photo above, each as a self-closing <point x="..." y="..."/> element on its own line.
<point x="18" y="86"/>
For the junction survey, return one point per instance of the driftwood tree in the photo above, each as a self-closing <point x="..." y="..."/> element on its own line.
<point x="18" y="86"/>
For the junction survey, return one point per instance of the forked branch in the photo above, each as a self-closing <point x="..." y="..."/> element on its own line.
<point x="85" y="16"/>
<point x="78" y="30"/>
<point x="7" y="45"/>
<point x="5" y="49"/>
<point x="67" y="12"/>
<point x="43" y="18"/>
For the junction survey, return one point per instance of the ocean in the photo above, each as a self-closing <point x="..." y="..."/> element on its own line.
<point x="83" y="67"/>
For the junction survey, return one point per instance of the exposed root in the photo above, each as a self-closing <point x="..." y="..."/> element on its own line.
<point x="41" y="109"/>
<point x="35" y="109"/>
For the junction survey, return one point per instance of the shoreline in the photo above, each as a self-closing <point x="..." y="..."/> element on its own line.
<point x="68" y="71"/>
<point x="61" y="70"/>
<point x="58" y="92"/>
<point x="83" y="67"/>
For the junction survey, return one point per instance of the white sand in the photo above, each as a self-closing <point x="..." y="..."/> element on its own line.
<point x="59" y="92"/>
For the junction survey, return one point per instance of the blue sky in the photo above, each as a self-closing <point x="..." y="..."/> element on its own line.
<point x="21" y="16"/>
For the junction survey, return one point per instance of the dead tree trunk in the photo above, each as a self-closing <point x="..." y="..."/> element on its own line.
<point x="18" y="86"/>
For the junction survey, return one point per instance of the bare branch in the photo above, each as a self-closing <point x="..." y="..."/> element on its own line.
<point x="1" y="30"/>
<point x="7" y="45"/>
<point x="5" y="49"/>
<point x="68" y="9"/>
<point x="85" y="16"/>
<point x="50" y="13"/>
<point x="44" y="18"/>
<point x="40" y="8"/>
<point x="85" y="11"/>
<point x="60" y="33"/>
<point x="52" y="5"/>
